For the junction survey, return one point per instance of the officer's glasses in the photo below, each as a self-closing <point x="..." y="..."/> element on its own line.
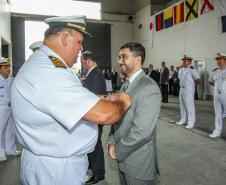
<point x="124" y="57"/>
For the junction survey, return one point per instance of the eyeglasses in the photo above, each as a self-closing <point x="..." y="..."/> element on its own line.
<point x="124" y="57"/>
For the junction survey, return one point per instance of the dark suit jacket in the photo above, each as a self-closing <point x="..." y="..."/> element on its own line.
<point x="155" y="76"/>
<point x="95" y="82"/>
<point x="135" y="133"/>
<point x="164" y="75"/>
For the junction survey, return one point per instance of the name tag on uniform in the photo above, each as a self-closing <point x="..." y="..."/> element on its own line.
<point x="1" y="87"/>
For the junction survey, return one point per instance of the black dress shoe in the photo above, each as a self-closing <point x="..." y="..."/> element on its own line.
<point x="94" y="180"/>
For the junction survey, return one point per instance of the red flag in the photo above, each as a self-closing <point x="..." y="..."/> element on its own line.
<point x="159" y="22"/>
<point x="206" y="6"/>
<point x="178" y="13"/>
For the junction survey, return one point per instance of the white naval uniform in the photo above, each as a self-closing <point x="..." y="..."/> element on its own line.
<point x="219" y="79"/>
<point x="48" y="104"/>
<point x="7" y="137"/>
<point x="187" y="78"/>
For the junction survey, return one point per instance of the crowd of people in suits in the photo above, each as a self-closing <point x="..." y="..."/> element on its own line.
<point x="167" y="79"/>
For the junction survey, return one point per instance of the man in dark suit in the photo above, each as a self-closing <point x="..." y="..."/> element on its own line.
<point x="164" y="81"/>
<point x="153" y="74"/>
<point x="94" y="81"/>
<point x="132" y="143"/>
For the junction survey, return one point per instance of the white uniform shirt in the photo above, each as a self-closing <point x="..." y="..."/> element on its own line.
<point x="48" y="104"/>
<point x="171" y="72"/>
<point x="219" y="79"/>
<point x="5" y="85"/>
<point x="187" y="78"/>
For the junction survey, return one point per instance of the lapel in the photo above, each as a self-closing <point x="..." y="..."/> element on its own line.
<point x="133" y="86"/>
<point x="91" y="72"/>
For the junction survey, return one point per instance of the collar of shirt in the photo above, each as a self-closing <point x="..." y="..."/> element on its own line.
<point x="90" y="70"/>
<point x="50" y="52"/>
<point x="134" y="75"/>
<point x="1" y="77"/>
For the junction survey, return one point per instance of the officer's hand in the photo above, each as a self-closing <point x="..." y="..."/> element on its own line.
<point x="125" y="99"/>
<point x="111" y="151"/>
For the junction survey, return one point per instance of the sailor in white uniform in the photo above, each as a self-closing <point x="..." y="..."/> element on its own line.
<point x="189" y="77"/>
<point x="218" y="80"/>
<point x="53" y="114"/>
<point x="7" y="137"/>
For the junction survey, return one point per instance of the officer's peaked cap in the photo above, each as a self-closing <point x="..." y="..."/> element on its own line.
<point x="35" y="45"/>
<point x="186" y="58"/>
<point x="4" y="61"/>
<point x="75" y="22"/>
<point x="220" y="56"/>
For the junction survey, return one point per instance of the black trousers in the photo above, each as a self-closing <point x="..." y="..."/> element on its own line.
<point x="171" y="86"/>
<point x="96" y="158"/>
<point x="164" y="91"/>
<point x="176" y="88"/>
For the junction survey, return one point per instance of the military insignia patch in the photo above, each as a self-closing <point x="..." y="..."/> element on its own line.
<point x="57" y="62"/>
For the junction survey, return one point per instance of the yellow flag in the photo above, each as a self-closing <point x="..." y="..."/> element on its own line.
<point x="191" y="9"/>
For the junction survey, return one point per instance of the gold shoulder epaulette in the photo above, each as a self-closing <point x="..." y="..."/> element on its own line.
<point x="57" y="62"/>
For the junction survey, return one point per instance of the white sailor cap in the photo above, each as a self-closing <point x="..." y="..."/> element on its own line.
<point x="35" y="45"/>
<point x="4" y="61"/>
<point x="75" y="22"/>
<point x="186" y="58"/>
<point x="220" y="56"/>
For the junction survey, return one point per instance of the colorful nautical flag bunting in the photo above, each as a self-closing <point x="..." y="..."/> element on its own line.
<point x="191" y="8"/>
<point x="206" y="6"/>
<point x="159" y="22"/>
<point x="168" y="18"/>
<point x="178" y="13"/>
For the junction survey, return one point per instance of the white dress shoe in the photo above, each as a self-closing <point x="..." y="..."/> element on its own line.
<point x="3" y="158"/>
<point x="17" y="153"/>
<point x="180" y="123"/>
<point x="214" y="135"/>
<point x="189" y="126"/>
<point x="88" y="177"/>
<point x="224" y="115"/>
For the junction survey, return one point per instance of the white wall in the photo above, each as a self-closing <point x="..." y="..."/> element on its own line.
<point x="121" y="32"/>
<point x="142" y="35"/>
<point x="201" y="39"/>
<point x="5" y="24"/>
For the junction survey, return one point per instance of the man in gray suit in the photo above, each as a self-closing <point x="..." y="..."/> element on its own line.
<point x="132" y="142"/>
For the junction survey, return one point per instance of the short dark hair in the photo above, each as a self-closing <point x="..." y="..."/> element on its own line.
<point x="136" y="48"/>
<point x="88" y="55"/>
<point x="55" y="30"/>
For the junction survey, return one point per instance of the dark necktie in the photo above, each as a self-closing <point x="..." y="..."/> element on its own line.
<point x="125" y="85"/>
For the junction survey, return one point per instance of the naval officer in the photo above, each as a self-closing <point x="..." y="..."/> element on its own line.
<point x="189" y="77"/>
<point x="55" y="117"/>
<point x="7" y="137"/>
<point x="218" y="80"/>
